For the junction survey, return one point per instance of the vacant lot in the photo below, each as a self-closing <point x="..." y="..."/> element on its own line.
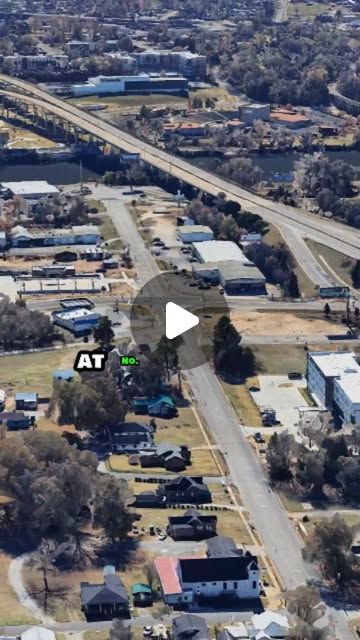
<point x="11" y="611"/>
<point x="243" y="404"/>
<point x="184" y="429"/>
<point x="33" y="371"/>
<point x="263" y="323"/>
<point x="304" y="10"/>
<point x="335" y="263"/>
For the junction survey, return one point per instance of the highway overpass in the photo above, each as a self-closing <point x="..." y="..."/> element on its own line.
<point x="327" y="232"/>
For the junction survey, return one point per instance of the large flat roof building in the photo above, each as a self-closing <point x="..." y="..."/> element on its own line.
<point x="218" y="250"/>
<point x="333" y="380"/>
<point x="30" y="189"/>
<point x="132" y="84"/>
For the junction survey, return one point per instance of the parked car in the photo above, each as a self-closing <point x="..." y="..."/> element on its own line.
<point x="147" y="631"/>
<point x="258" y="438"/>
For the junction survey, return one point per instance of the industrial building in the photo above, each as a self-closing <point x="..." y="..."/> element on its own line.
<point x="79" y="321"/>
<point x="78" y="234"/>
<point x="234" y="276"/>
<point x="141" y="83"/>
<point x="30" y="189"/>
<point x="333" y="380"/>
<point x="194" y="233"/>
<point x="224" y="263"/>
<point x="218" y="250"/>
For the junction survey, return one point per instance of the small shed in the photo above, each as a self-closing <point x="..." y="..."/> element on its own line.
<point x="26" y="401"/>
<point x="142" y="595"/>
<point x="63" y="374"/>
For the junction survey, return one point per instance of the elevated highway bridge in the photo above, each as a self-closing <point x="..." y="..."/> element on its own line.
<point x="327" y="232"/>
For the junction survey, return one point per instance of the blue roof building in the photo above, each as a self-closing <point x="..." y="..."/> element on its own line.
<point x="27" y="401"/>
<point x="63" y="374"/>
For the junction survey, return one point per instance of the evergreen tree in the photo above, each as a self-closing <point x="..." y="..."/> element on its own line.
<point x="292" y="286"/>
<point x="355" y="275"/>
<point x="103" y="333"/>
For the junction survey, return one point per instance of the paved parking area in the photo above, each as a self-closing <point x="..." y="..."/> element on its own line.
<point x="284" y="396"/>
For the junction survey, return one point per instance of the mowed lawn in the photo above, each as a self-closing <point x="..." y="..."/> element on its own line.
<point x="243" y="403"/>
<point x="33" y="371"/>
<point x="184" y="429"/>
<point x="202" y="463"/>
<point x="11" y="611"/>
<point x="229" y="523"/>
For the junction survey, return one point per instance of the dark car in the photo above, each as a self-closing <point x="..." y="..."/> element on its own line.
<point x="258" y="438"/>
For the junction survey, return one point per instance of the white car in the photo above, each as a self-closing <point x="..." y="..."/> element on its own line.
<point x="147" y="631"/>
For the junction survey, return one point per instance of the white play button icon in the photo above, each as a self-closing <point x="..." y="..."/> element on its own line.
<point x="178" y="320"/>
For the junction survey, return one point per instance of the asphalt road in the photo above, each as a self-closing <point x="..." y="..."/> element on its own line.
<point x="306" y="259"/>
<point x="327" y="232"/>
<point x="267" y="514"/>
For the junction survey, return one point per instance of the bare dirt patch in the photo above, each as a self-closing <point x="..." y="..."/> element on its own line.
<point x="255" y="323"/>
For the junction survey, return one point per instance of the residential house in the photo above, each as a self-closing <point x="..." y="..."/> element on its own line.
<point x="162" y="406"/>
<point x="269" y="624"/>
<point x="185" y="490"/>
<point x="222" y="547"/>
<point x="142" y="595"/>
<point x="26" y="401"/>
<point x="192" y="525"/>
<point x="16" y="420"/>
<point x="149" y="500"/>
<point x="189" y="627"/>
<point x="130" y="437"/>
<point x="187" y="580"/>
<point x="236" y="631"/>
<point x="104" y="601"/>
<point x="171" y="457"/>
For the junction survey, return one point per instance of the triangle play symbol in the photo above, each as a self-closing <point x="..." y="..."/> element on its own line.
<point x="178" y="320"/>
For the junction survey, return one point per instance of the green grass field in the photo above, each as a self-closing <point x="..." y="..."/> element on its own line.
<point x="304" y="10"/>
<point x="33" y="371"/>
<point x="339" y="263"/>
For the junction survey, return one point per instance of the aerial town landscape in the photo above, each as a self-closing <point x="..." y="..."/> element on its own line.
<point x="179" y="320"/>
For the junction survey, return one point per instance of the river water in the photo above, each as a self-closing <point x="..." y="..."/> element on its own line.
<point x="64" y="172"/>
<point x="284" y="162"/>
<point x="67" y="172"/>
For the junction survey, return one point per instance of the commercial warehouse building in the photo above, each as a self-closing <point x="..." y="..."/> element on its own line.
<point x="333" y="380"/>
<point x="79" y="321"/>
<point x="218" y="250"/>
<point x="30" y="189"/>
<point x="78" y="234"/>
<point x="224" y="262"/>
<point x="234" y="276"/>
<point x="194" y="233"/>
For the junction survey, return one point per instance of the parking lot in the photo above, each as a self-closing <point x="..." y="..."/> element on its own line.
<point x="282" y="395"/>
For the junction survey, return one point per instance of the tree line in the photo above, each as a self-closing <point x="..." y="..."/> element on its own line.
<point x="22" y="329"/>
<point x="53" y="487"/>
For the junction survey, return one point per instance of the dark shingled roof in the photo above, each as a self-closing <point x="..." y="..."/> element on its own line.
<point x="112" y="591"/>
<point x="189" y="626"/>
<point x="129" y="427"/>
<point x="222" y="547"/>
<point x="216" y="569"/>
